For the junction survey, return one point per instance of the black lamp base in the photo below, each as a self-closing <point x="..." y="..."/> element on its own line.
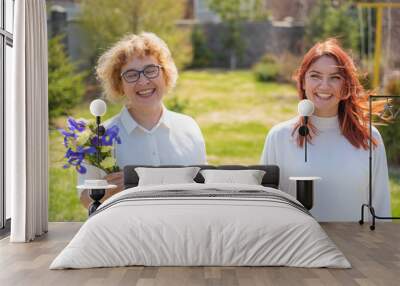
<point x="305" y="193"/>
<point x="374" y="216"/>
<point x="96" y="195"/>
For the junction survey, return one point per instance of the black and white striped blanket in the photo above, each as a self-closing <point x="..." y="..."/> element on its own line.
<point x="207" y="194"/>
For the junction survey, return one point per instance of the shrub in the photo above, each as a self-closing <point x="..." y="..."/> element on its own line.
<point x="276" y="68"/>
<point x="66" y="86"/>
<point x="267" y="68"/>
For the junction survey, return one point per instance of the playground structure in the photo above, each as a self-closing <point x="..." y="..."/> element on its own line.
<point x="379" y="7"/>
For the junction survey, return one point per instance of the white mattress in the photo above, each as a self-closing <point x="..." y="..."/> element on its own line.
<point x="183" y="231"/>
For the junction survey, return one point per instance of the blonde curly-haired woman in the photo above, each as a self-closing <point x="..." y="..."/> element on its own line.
<point x="139" y="71"/>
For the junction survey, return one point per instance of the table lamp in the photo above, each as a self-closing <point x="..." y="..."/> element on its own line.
<point x="305" y="109"/>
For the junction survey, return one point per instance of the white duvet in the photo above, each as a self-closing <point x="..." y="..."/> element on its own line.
<point x="182" y="231"/>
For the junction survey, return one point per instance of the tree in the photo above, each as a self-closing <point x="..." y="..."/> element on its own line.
<point x="66" y="86"/>
<point x="232" y="13"/>
<point x="202" y="56"/>
<point x="106" y="21"/>
<point x="327" y="21"/>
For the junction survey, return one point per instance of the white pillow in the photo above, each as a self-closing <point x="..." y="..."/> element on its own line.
<point x="248" y="177"/>
<point x="165" y="176"/>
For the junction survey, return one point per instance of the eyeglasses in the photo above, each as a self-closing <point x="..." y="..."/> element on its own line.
<point x="150" y="72"/>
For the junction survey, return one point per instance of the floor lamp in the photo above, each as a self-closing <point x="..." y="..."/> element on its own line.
<point x="98" y="108"/>
<point x="370" y="204"/>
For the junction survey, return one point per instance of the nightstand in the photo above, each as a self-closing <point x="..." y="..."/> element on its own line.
<point x="97" y="190"/>
<point x="305" y="190"/>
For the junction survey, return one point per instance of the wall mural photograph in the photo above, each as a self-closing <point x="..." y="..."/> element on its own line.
<point x="206" y="133"/>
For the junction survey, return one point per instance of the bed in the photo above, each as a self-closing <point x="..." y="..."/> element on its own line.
<point x="201" y="224"/>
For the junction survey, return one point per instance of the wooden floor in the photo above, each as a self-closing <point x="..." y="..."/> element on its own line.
<point x="374" y="255"/>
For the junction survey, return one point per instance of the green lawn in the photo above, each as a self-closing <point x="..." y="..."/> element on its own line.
<point x="394" y="175"/>
<point x="234" y="112"/>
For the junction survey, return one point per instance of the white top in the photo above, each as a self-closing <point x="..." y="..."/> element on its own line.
<point x="96" y="184"/>
<point x="304" y="178"/>
<point x="175" y="140"/>
<point x="342" y="167"/>
<point x="106" y="187"/>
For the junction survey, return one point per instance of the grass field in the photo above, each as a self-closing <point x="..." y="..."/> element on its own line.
<point x="234" y="112"/>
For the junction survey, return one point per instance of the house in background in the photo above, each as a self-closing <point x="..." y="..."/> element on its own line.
<point x="279" y="11"/>
<point x="202" y="13"/>
<point x="282" y="31"/>
<point x="63" y="19"/>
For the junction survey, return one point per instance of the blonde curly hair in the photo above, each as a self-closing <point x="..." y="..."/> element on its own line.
<point x="109" y="65"/>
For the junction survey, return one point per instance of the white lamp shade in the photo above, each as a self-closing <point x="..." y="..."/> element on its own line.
<point x="98" y="107"/>
<point x="305" y="107"/>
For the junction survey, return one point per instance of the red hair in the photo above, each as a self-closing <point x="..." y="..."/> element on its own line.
<point x="353" y="106"/>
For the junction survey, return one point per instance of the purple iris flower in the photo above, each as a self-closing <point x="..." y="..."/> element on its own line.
<point x="111" y="135"/>
<point x="95" y="141"/>
<point x="76" y="125"/>
<point x="75" y="161"/>
<point x="81" y="169"/>
<point x="80" y="152"/>
<point x="108" y="138"/>
<point x="76" y="158"/>
<point x="88" y="150"/>
<point x="67" y="135"/>
<point x="73" y="125"/>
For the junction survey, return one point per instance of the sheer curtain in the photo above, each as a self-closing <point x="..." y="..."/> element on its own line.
<point x="27" y="124"/>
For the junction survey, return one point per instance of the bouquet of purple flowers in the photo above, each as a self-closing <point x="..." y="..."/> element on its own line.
<point x="83" y="144"/>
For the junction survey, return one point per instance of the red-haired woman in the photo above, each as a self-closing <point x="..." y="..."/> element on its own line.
<point x="338" y="149"/>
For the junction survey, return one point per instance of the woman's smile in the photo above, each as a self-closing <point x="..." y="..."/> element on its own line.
<point x="146" y="92"/>
<point x="323" y="96"/>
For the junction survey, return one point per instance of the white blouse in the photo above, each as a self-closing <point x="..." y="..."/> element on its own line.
<point x="175" y="140"/>
<point x="338" y="196"/>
